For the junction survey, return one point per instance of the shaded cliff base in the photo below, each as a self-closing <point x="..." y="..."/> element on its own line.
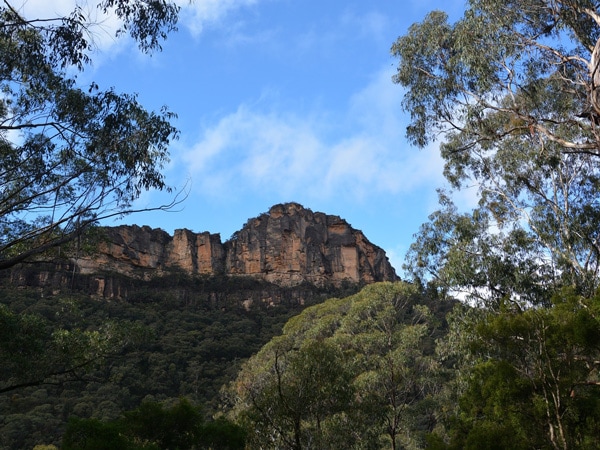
<point x="174" y="286"/>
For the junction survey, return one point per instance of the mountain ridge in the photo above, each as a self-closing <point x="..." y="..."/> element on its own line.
<point x="287" y="246"/>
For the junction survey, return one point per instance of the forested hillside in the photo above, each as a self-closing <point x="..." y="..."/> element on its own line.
<point x="159" y="345"/>
<point x="492" y="342"/>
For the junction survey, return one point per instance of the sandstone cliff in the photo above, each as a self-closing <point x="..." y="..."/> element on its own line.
<point x="287" y="246"/>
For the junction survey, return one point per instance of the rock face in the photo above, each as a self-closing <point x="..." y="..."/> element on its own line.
<point x="287" y="246"/>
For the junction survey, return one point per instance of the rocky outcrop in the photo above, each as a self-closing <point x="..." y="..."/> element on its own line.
<point x="287" y="246"/>
<point x="143" y="252"/>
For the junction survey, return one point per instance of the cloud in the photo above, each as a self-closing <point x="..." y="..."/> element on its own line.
<point x="356" y="154"/>
<point x="194" y="16"/>
<point x="371" y="24"/>
<point x="200" y="13"/>
<point x="256" y="150"/>
<point x="348" y="30"/>
<point x="103" y="26"/>
<point x="43" y="9"/>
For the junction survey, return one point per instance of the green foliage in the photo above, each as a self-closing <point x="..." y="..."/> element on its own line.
<point x="296" y="398"/>
<point x="92" y="434"/>
<point x="511" y="88"/>
<point x="348" y="373"/>
<point x="222" y="434"/>
<point x="72" y="155"/>
<point x="175" y="427"/>
<point x="178" y="336"/>
<point x="152" y="426"/>
<point x="531" y="375"/>
<point x="33" y="353"/>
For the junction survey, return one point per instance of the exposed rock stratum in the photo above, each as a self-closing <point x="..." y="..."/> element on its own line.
<point x="287" y="246"/>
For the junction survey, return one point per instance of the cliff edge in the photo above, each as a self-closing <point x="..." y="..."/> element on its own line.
<point x="289" y="245"/>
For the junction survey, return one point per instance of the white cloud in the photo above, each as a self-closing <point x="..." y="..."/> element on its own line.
<point x="362" y="155"/>
<point x="377" y="106"/>
<point x="194" y="15"/>
<point x="373" y="24"/>
<point x="43" y="9"/>
<point x="254" y="149"/>
<point x="200" y="13"/>
<point x="326" y="38"/>
<point x="103" y="26"/>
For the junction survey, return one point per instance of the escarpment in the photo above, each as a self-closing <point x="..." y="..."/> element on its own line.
<point x="287" y="246"/>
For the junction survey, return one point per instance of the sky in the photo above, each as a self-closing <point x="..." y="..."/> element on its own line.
<point x="280" y="101"/>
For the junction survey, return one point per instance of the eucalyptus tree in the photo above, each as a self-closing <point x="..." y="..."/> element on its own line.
<point x="72" y="154"/>
<point x="384" y="334"/>
<point x="512" y="90"/>
<point x="292" y="394"/>
<point x="532" y="380"/>
<point x="348" y="373"/>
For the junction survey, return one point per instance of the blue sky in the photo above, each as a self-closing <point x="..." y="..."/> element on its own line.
<point x="277" y="101"/>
